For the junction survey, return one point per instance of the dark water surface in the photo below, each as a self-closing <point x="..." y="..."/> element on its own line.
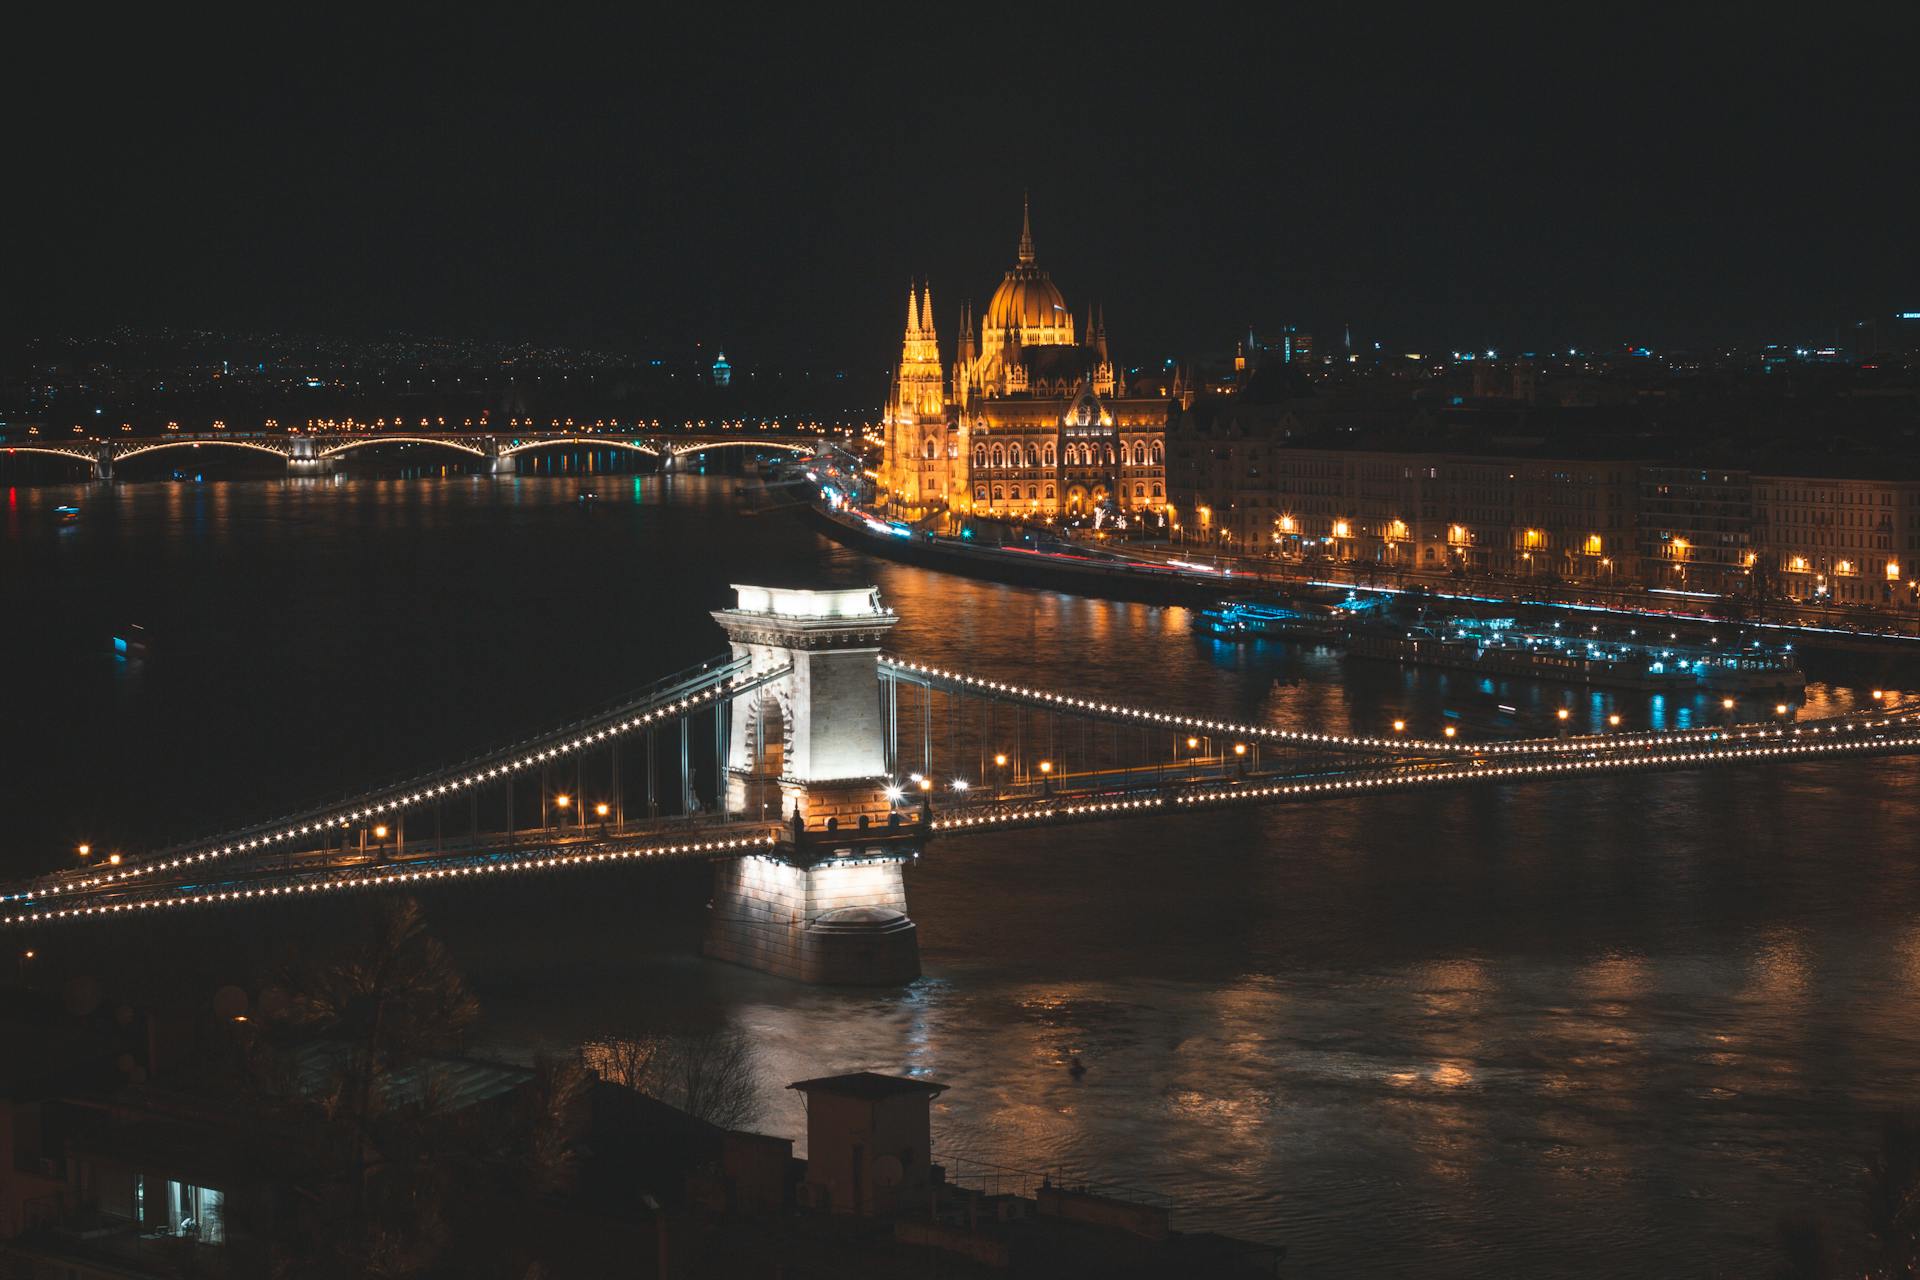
<point x="1597" y="1028"/>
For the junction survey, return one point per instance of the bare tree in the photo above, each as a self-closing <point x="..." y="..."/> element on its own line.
<point x="713" y="1075"/>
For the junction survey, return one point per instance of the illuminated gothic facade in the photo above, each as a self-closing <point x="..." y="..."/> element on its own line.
<point x="1034" y="419"/>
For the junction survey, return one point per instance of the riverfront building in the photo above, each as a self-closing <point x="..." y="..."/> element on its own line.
<point x="1314" y="483"/>
<point x="1034" y="417"/>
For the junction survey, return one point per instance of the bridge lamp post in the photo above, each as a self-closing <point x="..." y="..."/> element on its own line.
<point x="1563" y="715"/>
<point x="1449" y="731"/>
<point x="1046" y="777"/>
<point x="1613" y="721"/>
<point x="562" y="802"/>
<point x="601" y="811"/>
<point x="85" y="850"/>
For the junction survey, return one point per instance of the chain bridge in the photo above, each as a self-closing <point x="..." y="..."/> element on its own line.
<point x="811" y="769"/>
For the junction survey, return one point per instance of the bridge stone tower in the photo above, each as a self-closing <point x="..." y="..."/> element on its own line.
<point x="830" y="905"/>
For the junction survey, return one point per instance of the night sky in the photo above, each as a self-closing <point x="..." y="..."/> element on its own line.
<point x="770" y="184"/>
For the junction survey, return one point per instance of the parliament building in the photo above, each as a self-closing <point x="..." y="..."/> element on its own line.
<point x="1034" y="420"/>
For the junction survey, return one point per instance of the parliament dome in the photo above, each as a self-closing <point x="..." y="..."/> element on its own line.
<point x="1027" y="299"/>
<point x="1028" y="302"/>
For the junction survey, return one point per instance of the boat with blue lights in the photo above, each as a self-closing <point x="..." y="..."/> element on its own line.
<point x="1257" y="620"/>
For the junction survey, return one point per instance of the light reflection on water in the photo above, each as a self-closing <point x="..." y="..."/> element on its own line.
<point x="1576" y="1028"/>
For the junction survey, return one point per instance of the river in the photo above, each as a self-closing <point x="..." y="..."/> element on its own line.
<point x="1614" y="1026"/>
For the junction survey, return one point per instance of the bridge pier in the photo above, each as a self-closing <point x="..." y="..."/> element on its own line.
<point x="103" y="462"/>
<point x="839" y="922"/>
<point x="830" y="905"/>
<point x="304" y="460"/>
<point x="504" y="463"/>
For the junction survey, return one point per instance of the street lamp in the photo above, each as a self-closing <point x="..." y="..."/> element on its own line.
<point x="1449" y="731"/>
<point x="84" y="850"/>
<point x="1399" y="726"/>
<point x="1613" y="721"/>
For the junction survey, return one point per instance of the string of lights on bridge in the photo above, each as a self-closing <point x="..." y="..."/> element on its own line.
<point x="190" y="897"/>
<point x="1471" y="772"/>
<point x="1252" y="732"/>
<point x="343" y="818"/>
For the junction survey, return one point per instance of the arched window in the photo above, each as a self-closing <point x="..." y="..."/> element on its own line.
<point x="1033" y="455"/>
<point x="980" y="494"/>
<point x="953" y="447"/>
<point x="1156" y="491"/>
<point x="1139" y="454"/>
<point x="999" y="457"/>
<point x="1110" y="457"/>
<point x="998" y="493"/>
<point x="1156" y="453"/>
<point x="927" y="451"/>
<point x="1139" y="491"/>
<point x="1033" y="491"/>
<point x="1049" y="493"/>
<point x="1049" y="455"/>
<point x="979" y="455"/>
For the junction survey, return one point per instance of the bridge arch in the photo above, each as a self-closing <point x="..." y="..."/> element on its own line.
<point x="47" y="452"/>
<point x="136" y="450"/>
<point x="681" y="451"/>
<point x="593" y="442"/>
<point x="345" y="445"/>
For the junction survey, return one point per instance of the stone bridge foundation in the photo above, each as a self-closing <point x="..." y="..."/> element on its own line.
<point x="303" y="459"/>
<point x="838" y="922"/>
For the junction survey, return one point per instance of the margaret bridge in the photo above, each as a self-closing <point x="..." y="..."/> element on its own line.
<point x="810" y="768"/>
<point x="317" y="452"/>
